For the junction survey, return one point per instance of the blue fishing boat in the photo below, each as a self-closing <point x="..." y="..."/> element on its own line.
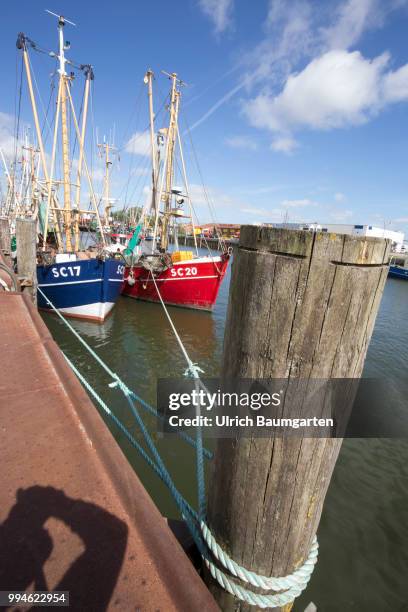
<point x="85" y="289"/>
<point x="83" y="283"/>
<point x="399" y="267"/>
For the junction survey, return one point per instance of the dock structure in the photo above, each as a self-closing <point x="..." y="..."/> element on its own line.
<point x="74" y="515"/>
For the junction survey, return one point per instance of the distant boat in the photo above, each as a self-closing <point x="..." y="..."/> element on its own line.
<point x="399" y="267"/>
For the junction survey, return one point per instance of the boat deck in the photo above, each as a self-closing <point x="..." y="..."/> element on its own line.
<point x="74" y="516"/>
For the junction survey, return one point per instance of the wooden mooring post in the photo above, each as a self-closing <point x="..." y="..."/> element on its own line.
<point x="301" y="305"/>
<point x="5" y="236"/>
<point x="26" y="238"/>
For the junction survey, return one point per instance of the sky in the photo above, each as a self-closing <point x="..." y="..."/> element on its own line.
<point x="295" y="111"/>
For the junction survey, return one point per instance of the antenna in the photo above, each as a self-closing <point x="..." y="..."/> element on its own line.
<point x="63" y="46"/>
<point x="62" y="19"/>
<point x="174" y="75"/>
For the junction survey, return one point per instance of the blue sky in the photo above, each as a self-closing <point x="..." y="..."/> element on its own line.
<point x="297" y="110"/>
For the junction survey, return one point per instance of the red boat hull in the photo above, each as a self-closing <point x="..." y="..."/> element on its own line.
<point x="191" y="284"/>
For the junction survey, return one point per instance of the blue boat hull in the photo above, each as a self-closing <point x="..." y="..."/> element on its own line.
<point x="86" y="289"/>
<point x="397" y="272"/>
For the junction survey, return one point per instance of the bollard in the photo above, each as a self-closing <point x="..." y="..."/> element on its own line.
<point x="5" y="236"/>
<point x="301" y="305"/>
<point x="26" y="237"/>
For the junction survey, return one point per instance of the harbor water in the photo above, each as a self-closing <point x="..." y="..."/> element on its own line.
<point x="363" y="533"/>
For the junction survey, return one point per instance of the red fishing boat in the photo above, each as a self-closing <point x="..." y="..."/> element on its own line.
<point x="179" y="278"/>
<point x="192" y="283"/>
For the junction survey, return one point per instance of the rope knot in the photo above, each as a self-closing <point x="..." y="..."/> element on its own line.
<point x="118" y="382"/>
<point x="193" y="370"/>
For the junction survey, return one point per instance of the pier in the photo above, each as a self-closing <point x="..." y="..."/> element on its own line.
<point x="74" y="515"/>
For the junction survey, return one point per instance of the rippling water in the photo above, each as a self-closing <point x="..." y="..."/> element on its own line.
<point x="363" y="535"/>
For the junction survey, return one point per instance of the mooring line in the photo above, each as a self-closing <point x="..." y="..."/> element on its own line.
<point x="291" y="585"/>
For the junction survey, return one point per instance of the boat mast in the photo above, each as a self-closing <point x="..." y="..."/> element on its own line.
<point x="107" y="149"/>
<point x="65" y="139"/>
<point x="31" y="195"/>
<point x="9" y="183"/>
<point x="149" y="80"/>
<point x="89" y="77"/>
<point x="22" y="44"/>
<point x="171" y="140"/>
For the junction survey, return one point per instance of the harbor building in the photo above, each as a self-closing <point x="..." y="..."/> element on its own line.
<point x="397" y="238"/>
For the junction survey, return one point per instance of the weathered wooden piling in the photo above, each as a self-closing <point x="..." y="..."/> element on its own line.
<point x="4" y="236"/>
<point x="301" y="305"/>
<point x="26" y="237"/>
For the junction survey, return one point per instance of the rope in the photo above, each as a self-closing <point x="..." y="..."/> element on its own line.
<point x="191" y="518"/>
<point x="292" y="585"/>
<point x="299" y="578"/>
<point x="12" y="277"/>
<point x="208" y="454"/>
<point x="193" y="371"/>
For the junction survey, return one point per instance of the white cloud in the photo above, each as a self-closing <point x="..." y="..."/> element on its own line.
<point x="298" y="203"/>
<point x="7" y="134"/>
<point x="284" y="144"/>
<point x="241" y="142"/>
<point x="339" y="197"/>
<point x="352" y="19"/>
<point x="295" y="32"/>
<point x="335" y="90"/>
<point x="290" y="32"/>
<point x="139" y="144"/>
<point x="396" y="85"/>
<point x="219" y="12"/>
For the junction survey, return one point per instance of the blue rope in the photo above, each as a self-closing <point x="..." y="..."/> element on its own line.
<point x="156" y="463"/>
<point x="208" y="454"/>
<point x="189" y="515"/>
<point x="203" y="538"/>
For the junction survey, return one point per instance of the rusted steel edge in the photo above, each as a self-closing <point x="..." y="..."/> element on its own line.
<point x="178" y="574"/>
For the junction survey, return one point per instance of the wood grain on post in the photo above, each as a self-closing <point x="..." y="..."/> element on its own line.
<point x="301" y="305"/>
<point x="5" y="244"/>
<point x="26" y="238"/>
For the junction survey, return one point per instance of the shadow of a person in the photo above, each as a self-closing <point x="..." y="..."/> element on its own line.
<point x="25" y="545"/>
